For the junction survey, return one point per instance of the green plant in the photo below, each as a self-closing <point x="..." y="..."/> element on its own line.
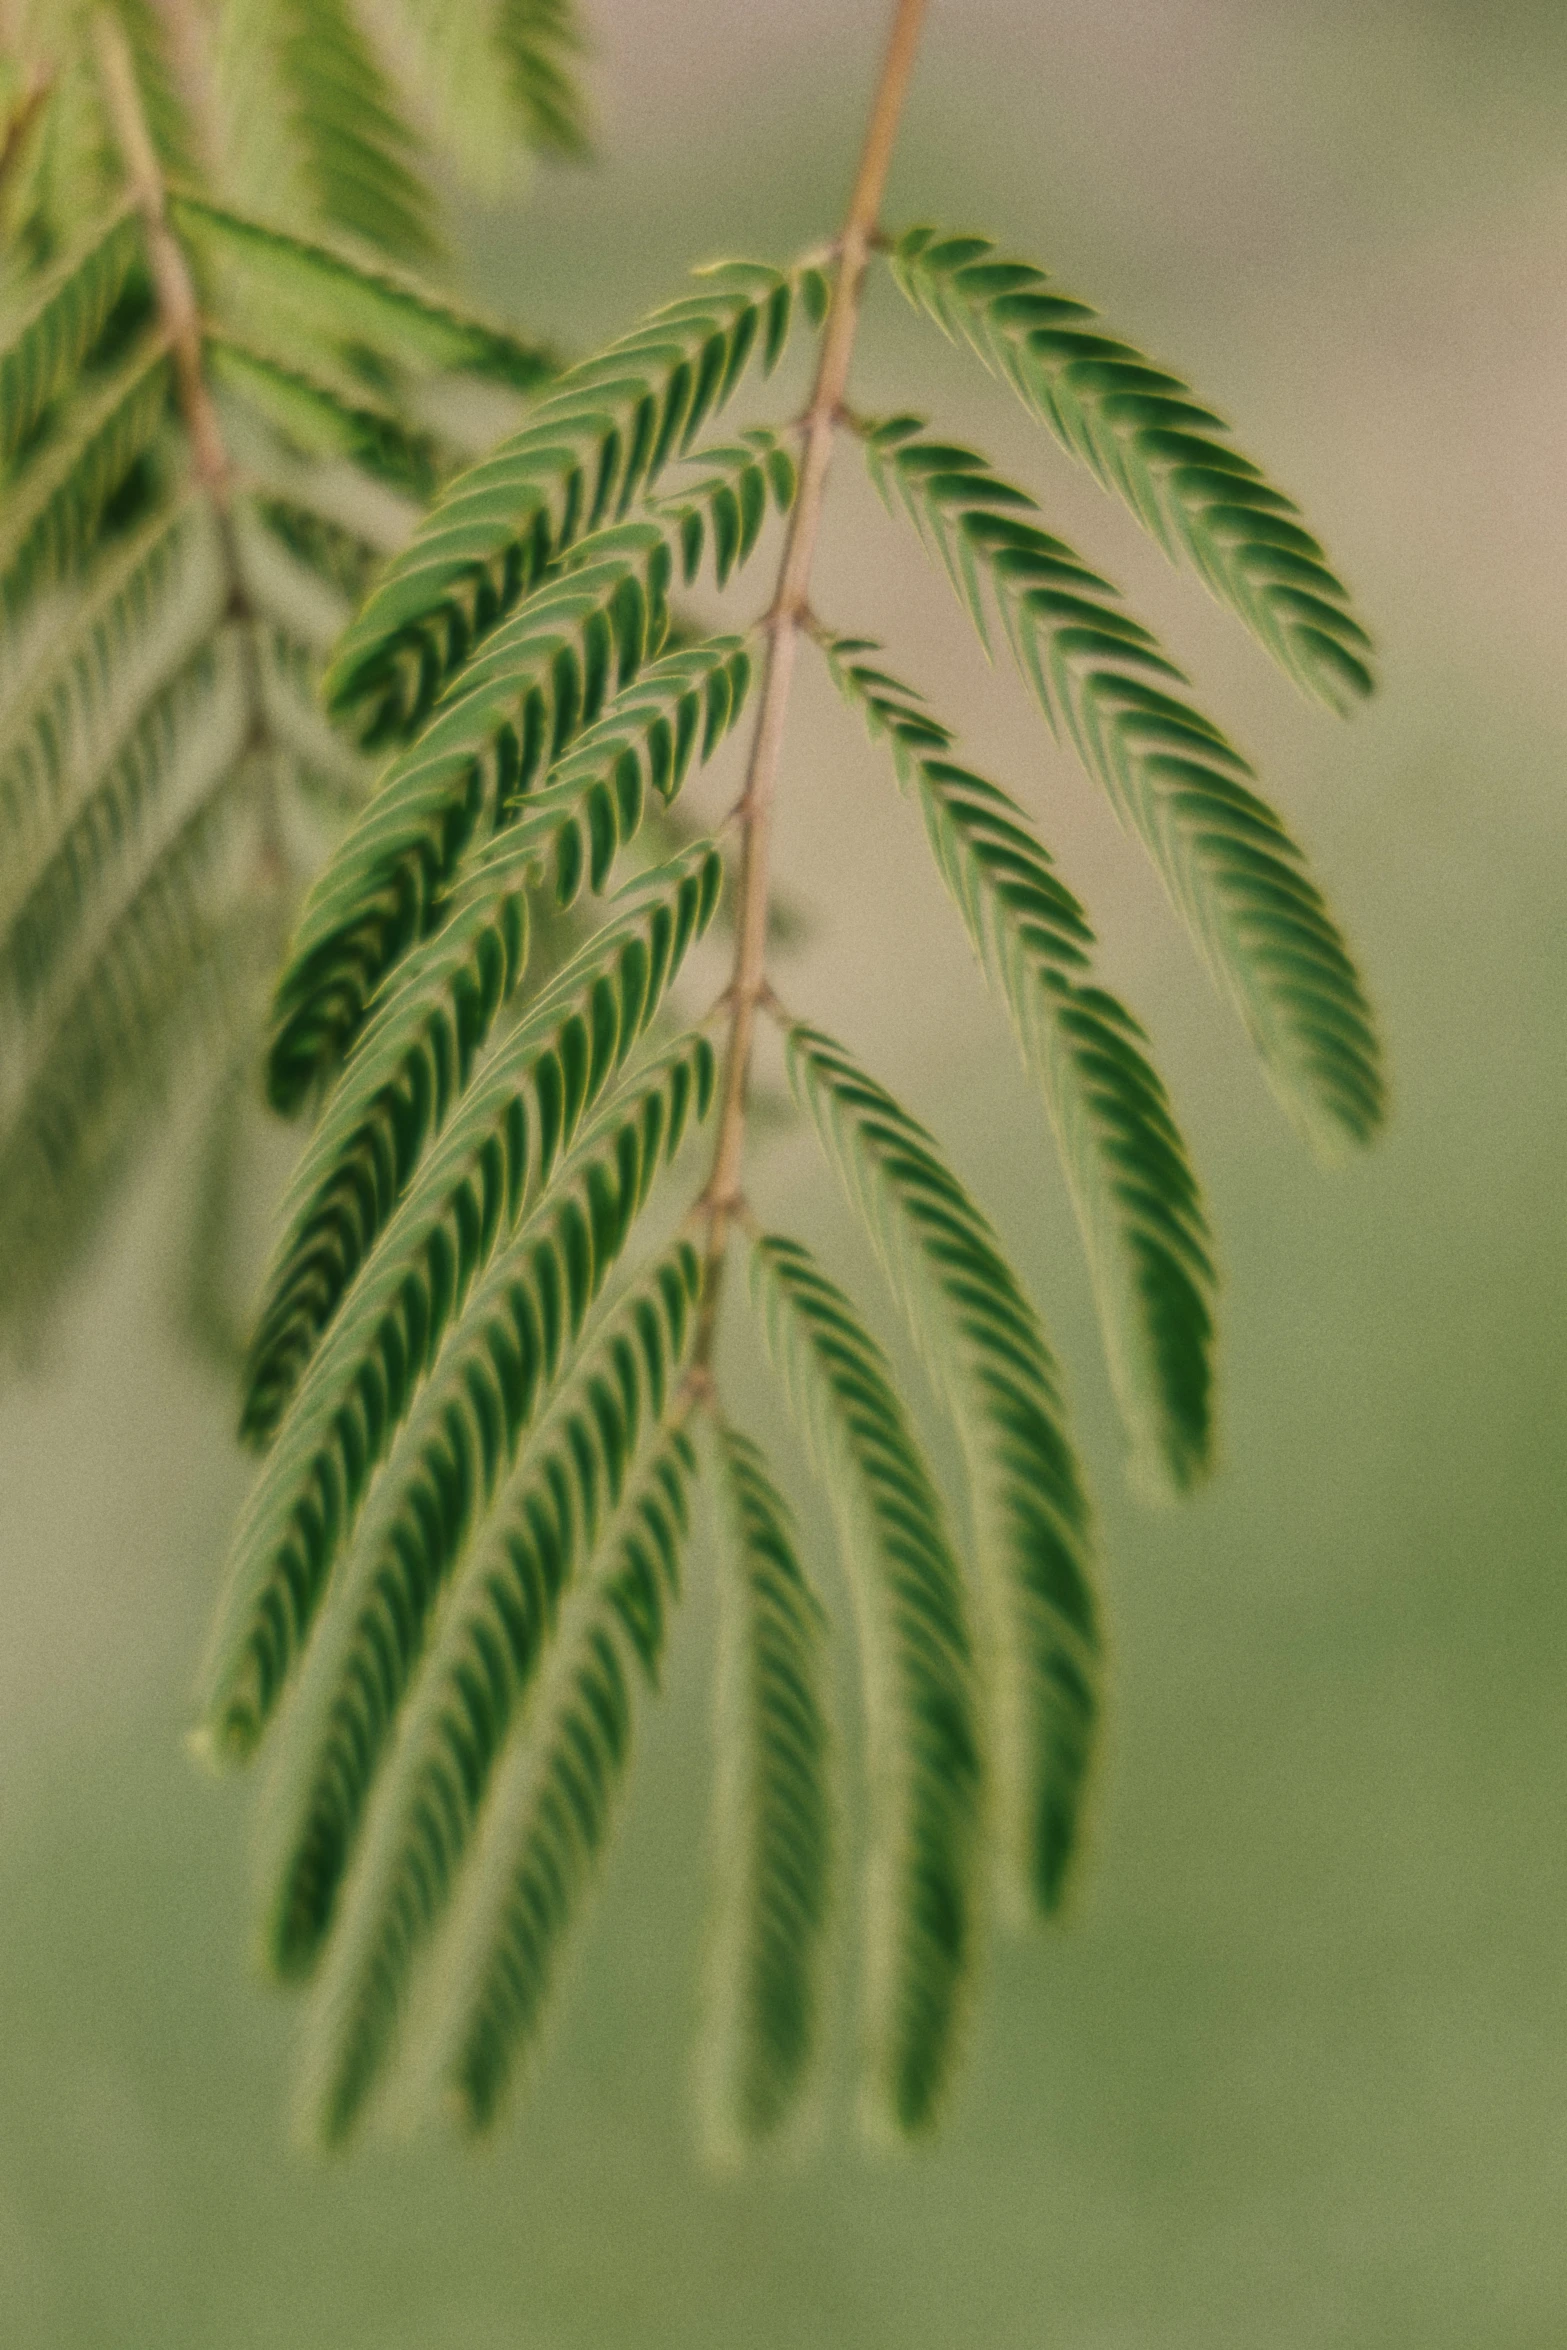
<point x="484" y="1401"/>
<point x="214" y="428"/>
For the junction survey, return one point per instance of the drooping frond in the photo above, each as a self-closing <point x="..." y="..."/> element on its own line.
<point x="56" y="506"/>
<point x="463" y="1203"/>
<point x="918" y="1672"/>
<point x="986" y="1351"/>
<point x="346" y="303"/>
<point x="174" y="961"/>
<point x="495" y="77"/>
<point x="313" y="128"/>
<point x="513" y="711"/>
<point x="1126" y="1164"/>
<point x="601" y="439"/>
<point x="414" y="1056"/>
<point x="324" y="419"/>
<point x="498" y="1435"/>
<point x="1146" y="439"/>
<point x="152" y="599"/>
<point x="184" y="745"/>
<point x="774" y="1828"/>
<point x="59" y="327"/>
<point x="1225" y="858"/>
<point x="516" y="1726"/>
<point x="553" y="1806"/>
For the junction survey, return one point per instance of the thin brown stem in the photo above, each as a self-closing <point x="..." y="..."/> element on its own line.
<point x="180" y="314"/>
<point x="791" y="605"/>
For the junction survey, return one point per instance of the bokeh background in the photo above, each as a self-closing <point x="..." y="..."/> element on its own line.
<point x="1297" y="2074"/>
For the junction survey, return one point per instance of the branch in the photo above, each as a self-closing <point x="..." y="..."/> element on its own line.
<point x="790" y="611"/>
<point x="180" y="314"/>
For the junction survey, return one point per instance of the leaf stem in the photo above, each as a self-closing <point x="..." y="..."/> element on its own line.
<point x="180" y="313"/>
<point x="790" y="610"/>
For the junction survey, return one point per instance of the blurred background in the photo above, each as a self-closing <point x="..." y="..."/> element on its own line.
<point x="1296" y="2073"/>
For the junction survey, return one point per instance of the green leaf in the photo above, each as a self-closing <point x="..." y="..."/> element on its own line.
<point x="917" y="1662"/>
<point x="185" y="745"/>
<point x="49" y="343"/>
<point x="1229" y="866"/>
<point x="357" y="156"/>
<point x="600" y="441"/>
<point x="1146" y="439"/>
<point x="414" y="1055"/>
<point x="538" y="39"/>
<point x="516" y="709"/>
<point x="518" y="1412"/>
<point x="773" y="1810"/>
<point x="465" y="1199"/>
<point x="146" y="604"/>
<point x="317" y="419"/>
<point x="1136" y="1198"/>
<point x="55" y="510"/>
<point x="518" y="1728"/>
<point x="986" y="1352"/>
<point x="161" y="971"/>
<point x="347" y="302"/>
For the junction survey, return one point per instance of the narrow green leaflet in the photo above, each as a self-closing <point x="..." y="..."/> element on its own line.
<point x="1225" y="858"/>
<point x="986" y="1351"/>
<point x="1126" y="1165"/>
<point x="921" y="1701"/>
<point x="774" y="1826"/>
<point x="1147" y="440"/>
<point x="572" y="1575"/>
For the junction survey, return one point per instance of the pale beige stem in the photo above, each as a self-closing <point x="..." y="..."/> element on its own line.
<point x="748" y="984"/>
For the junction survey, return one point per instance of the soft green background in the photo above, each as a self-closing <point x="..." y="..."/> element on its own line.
<point x="1297" y="2076"/>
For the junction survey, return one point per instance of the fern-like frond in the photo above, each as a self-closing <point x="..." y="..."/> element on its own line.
<point x="355" y="153"/>
<point x="586" y="453"/>
<point x="55" y="508"/>
<point x="320" y="421"/>
<point x="920" y="1698"/>
<point x="1126" y="1164"/>
<point x="987" y="1354"/>
<point x="518" y="705"/>
<point x="149" y="600"/>
<point x="552" y="1808"/>
<point x="495" y="77"/>
<point x="163" y="969"/>
<point x="1226" y="860"/>
<point x="184" y="745"/>
<point x="344" y="302"/>
<point x="462" y="1205"/>
<point x="568" y="1531"/>
<point x="509" y="1379"/>
<point x="538" y="39"/>
<point x="774" y="1829"/>
<point x="47" y="346"/>
<point x="1146" y="439"/>
<point x="414" y="1056"/>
